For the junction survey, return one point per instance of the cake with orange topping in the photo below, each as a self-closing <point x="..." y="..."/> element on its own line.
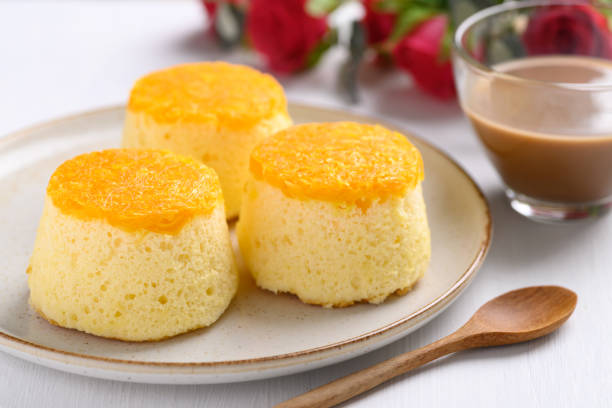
<point x="334" y="213"/>
<point x="132" y="245"/>
<point x="212" y="111"/>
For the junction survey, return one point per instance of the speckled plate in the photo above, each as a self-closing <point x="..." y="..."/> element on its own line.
<point x="261" y="335"/>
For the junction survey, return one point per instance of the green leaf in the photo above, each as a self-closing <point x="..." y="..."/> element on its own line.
<point x="348" y="80"/>
<point x="400" y="6"/>
<point x="229" y="25"/>
<point x="392" y="6"/>
<point x="606" y="11"/>
<point x="410" y="18"/>
<point x="445" y="46"/>
<point x="462" y="9"/>
<point x="514" y="43"/>
<point x="498" y="51"/>
<point x="358" y="42"/>
<point x="319" y="8"/>
<point x="437" y="4"/>
<point x="330" y="39"/>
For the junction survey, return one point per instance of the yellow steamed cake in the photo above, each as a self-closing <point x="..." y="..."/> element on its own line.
<point x="334" y="213"/>
<point x="212" y="111"/>
<point x="132" y="245"/>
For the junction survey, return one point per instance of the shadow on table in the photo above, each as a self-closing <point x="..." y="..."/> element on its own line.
<point x="520" y="244"/>
<point x="463" y="357"/>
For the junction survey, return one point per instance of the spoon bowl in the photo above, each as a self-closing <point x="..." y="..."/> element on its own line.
<point x="522" y="315"/>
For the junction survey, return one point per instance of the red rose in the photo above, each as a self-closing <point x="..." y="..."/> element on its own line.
<point x="211" y="10"/>
<point x="284" y="32"/>
<point x="378" y="24"/>
<point x="419" y="53"/>
<point x="210" y="6"/>
<point x="568" y="29"/>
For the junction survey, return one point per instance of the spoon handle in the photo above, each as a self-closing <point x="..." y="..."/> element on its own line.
<point x="347" y="387"/>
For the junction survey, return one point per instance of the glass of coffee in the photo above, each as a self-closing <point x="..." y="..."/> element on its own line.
<point x="535" y="80"/>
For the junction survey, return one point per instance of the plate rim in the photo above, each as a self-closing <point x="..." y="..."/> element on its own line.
<point x="441" y="301"/>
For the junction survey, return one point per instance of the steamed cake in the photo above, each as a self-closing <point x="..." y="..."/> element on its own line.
<point x="212" y="111"/>
<point x="132" y="245"/>
<point x="334" y="213"/>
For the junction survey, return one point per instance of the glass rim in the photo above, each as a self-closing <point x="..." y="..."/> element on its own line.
<point x="481" y="15"/>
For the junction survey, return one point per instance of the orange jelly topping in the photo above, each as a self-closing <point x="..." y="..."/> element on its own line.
<point x="338" y="162"/>
<point x="208" y="92"/>
<point x="133" y="189"/>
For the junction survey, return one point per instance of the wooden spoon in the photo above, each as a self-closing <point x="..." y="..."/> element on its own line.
<point x="517" y="316"/>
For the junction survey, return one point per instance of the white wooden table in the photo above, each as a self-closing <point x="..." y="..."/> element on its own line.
<point x="57" y="58"/>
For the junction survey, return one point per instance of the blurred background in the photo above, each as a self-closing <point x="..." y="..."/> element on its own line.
<point x="389" y="60"/>
<point x="330" y="51"/>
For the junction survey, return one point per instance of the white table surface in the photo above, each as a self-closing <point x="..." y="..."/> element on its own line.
<point x="58" y="58"/>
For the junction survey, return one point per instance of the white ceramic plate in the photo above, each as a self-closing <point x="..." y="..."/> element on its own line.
<point x="261" y="335"/>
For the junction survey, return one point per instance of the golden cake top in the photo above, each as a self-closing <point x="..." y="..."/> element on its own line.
<point x="339" y="162"/>
<point x="133" y="189"/>
<point x="208" y="92"/>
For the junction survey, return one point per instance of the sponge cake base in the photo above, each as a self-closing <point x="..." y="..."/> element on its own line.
<point x="332" y="254"/>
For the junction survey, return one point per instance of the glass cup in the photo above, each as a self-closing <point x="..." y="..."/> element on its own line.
<point x="535" y="80"/>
